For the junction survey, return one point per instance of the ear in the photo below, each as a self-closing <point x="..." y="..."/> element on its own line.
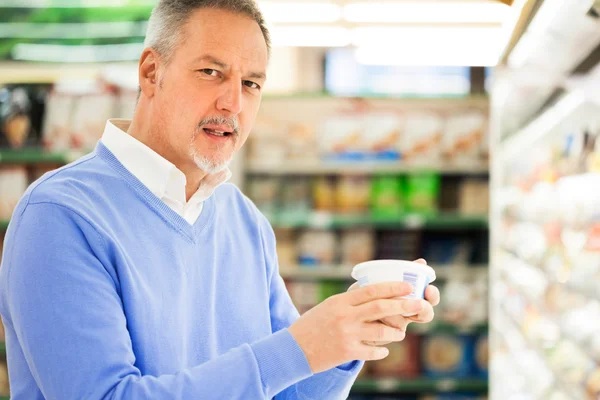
<point x="148" y="71"/>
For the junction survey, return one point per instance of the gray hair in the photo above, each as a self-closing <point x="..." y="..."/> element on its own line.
<point x="169" y="16"/>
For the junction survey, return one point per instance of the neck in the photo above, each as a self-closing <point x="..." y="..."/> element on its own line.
<point x="149" y="132"/>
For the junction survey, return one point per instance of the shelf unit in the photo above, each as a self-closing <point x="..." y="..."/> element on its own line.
<point x="411" y="221"/>
<point x="316" y="167"/>
<point x="422" y="385"/>
<point x="38" y="156"/>
<point x="342" y="272"/>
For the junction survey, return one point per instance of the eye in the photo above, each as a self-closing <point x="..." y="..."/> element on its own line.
<point x="210" y="72"/>
<point x="252" y="85"/>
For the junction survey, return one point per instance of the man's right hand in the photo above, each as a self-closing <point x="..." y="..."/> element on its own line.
<point x="335" y="331"/>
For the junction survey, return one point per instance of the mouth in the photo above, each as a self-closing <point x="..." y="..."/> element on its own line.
<point x="217" y="133"/>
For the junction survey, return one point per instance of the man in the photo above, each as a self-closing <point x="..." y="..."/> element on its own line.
<point x="135" y="273"/>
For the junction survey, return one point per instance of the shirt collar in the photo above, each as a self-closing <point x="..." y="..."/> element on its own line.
<point x="158" y="174"/>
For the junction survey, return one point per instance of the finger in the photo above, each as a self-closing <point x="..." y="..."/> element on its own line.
<point x="378" y="309"/>
<point x="378" y="332"/>
<point x="353" y="287"/>
<point x="432" y="295"/>
<point x="384" y="290"/>
<point x="370" y="343"/>
<point x="421" y="261"/>
<point x="371" y="353"/>
<point x="424" y="316"/>
<point x="397" y="321"/>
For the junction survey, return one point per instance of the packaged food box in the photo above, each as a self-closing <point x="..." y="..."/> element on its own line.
<point x="324" y="194"/>
<point x="357" y="246"/>
<point x="21" y="114"/>
<point x="421" y="138"/>
<point x="422" y="193"/>
<point x="341" y="138"/>
<point x="481" y="354"/>
<point x="316" y="247"/>
<point x="387" y="196"/>
<point x="447" y="356"/>
<point x="13" y="184"/>
<point x="382" y="131"/>
<point x="463" y="138"/>
<point x="403" y="361"/>
<point x="352" y="194"/>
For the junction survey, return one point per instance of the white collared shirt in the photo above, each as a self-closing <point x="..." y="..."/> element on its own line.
<point x="159" y="175"/>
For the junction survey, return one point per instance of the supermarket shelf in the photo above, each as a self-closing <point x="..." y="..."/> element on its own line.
<point x="2" y="348"/>
<point x="332" y="221"/>
<point x="37" y="156"/>
<point x="368" y="167"/>
<point x="448" y="328"/>
<point x="40" y="72"/>
<point x="342" y="272"/>
<point x="420" y="385"/>
<point x="3" y="225"/>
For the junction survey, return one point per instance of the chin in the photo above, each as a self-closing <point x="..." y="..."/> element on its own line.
<point x="211" y="166"/>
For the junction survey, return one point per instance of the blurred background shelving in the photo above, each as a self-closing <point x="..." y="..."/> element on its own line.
<point x="361" y="151"/>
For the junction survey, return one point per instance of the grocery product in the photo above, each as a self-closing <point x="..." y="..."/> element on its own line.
<point x="295" y="196"/>
<point x="381" y="134"/>
<point x="352" y="194"/>
<point x="474" y="197"/>
<point x="418" y="275"/>
<point x="447" y="356"/>
<point x="463" y="138"/>
<point x="264" y="191"/>
<point x="305" y="295"/>
<point x="387" y="196"/>
<point x="421" y="138"/>
<point x="13" y="183"/>
<point x="398" y="244"/>
<point x="422" y="192"/>
<point x="21" y="113"/>
<point x="324" y="194"/>
<point x="341" y="138"/>
<point x="403" y="361"/>
<point x="57" y="121"/>
<point x="90" y="113"/>
<point x="286" y="248"/>
<point x="317" y="247"/>
<point x="481" y="354"/>
<point x="357" y="246"/>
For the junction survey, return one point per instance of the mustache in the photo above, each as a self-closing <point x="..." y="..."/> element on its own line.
<point x="231" y="122"/>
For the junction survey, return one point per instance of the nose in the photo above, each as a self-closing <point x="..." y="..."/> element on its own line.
<point x="230" y="99"/>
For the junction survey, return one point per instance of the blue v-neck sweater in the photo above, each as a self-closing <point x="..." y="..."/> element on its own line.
<point x="107" y="293"/>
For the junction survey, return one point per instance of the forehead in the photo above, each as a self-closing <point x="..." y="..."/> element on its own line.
<point x="234" y="38"/>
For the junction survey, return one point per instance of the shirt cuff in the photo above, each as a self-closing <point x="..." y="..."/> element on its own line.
<point x="281" y="362"/>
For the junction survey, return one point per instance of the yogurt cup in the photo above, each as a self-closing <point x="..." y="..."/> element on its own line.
<point x="418" y="275"/>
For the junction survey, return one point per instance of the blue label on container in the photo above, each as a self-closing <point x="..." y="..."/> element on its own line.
<point x="363" y="280"/>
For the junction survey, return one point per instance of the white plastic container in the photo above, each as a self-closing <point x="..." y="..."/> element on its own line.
<point x="418" y="275"/>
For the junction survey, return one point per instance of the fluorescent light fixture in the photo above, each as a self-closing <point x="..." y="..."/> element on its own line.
<point x="438" y="46"/>
<point x="448" y="57"/>
<point x="428" y="11"/>
<point x="310" y="36"/>
<point x="24" y="30"/>
<point x="72" y="3"/>
<point x="77" y="54"/>
<point x="305" y="11"/>
<point x="394" y="37"/>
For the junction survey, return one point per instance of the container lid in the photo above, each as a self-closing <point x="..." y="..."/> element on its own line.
<point x="363" y="268"/>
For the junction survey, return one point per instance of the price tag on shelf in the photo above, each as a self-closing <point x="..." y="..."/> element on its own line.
<point x="321" y="219"/>
<point x="386" y="385"/>
<point x="446" y="385"/>
<point x="414" y="221"/>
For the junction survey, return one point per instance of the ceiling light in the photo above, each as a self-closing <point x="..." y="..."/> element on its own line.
<point x="425" y="36"/>
<point x="443" y="46"/>
<point x="428" y="12"/>
<point x="310" y="36"/>
<point x="277" y="12"/>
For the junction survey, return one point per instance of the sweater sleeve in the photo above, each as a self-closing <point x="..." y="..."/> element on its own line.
<point x="62" y="299"/>
<point x="333" y="384"/>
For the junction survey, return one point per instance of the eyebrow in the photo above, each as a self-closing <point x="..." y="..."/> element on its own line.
<point x="213" y="60"/>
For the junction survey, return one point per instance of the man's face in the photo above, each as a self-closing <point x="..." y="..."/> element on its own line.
<point x="208" y="95"/>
